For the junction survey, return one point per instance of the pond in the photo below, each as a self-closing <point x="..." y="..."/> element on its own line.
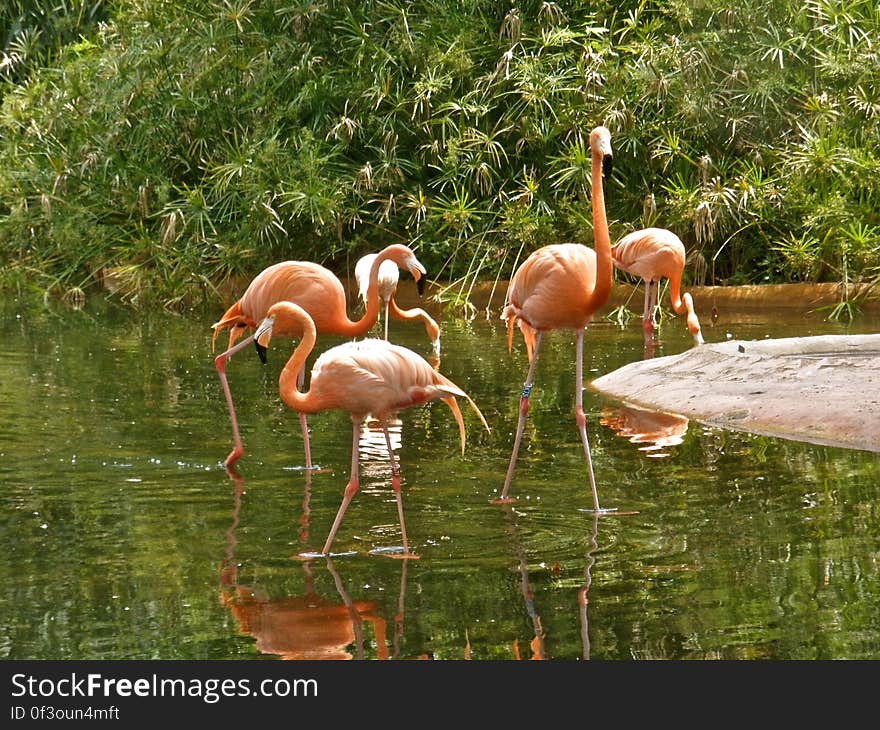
<point x="127" y="539"/>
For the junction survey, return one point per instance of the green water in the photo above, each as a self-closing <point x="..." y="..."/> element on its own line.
<point x="124" y="537"/>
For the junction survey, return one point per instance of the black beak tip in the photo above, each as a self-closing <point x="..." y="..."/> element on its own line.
<point x="261" y="351"/>
<point x="420" y="285"/>
<point x="607" y="165"/>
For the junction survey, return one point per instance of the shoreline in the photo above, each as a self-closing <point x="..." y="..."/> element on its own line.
<point x="823" y="389"/>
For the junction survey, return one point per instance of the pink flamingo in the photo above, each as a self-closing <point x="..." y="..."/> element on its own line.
<point x="388" y="278"/>
<point x="367" y="377"/>
<point x="319" y="291"/>
<point x="651" y="254"/>
<point x="561" y="286"/>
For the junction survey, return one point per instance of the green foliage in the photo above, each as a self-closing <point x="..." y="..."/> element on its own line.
<point x="177" y="144"/>
<point x="33" y="32"/>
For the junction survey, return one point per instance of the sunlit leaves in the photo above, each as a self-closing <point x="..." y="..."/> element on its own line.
<point x="456" y="213"/>
<point x="866" y="100"/>
<point x="237" y="12"/>
<point x="572" y="169"/>
<point x="815" y="156"/>
<point x="237" y="132"/>
<point x="34" y="32"/>
<point x="780" y="48"/>
<point x="801" y="255"/>
<point x="842" y="22"/>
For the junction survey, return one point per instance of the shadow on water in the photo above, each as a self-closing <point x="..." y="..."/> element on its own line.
<point x="117" y="510"/>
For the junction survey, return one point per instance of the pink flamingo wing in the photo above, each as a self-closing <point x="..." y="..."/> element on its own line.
<point x="553" y="287"/>
<point x="650" y="253"/>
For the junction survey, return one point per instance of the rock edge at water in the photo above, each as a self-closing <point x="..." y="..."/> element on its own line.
<point x="823" y="389"/>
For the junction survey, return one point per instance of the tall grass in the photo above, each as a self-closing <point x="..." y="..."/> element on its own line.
<point x="178" y="144"/>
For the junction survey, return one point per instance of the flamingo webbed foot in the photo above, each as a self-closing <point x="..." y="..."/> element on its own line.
<point x="607" y="511"/>
<point x="314" y="469"/>
<point x="399" y="552"/>
<point x="502" y="500"/>
<point x="401" y="556"/>
<point x="600" y="511"/>
<point x="313" y="556"/>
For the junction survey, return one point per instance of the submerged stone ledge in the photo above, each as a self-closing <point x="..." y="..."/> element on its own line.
<point x="823" y="389"/>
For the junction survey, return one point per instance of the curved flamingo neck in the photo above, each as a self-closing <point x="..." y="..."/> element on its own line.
<point x="675" y="300"/>
<point x="360" y="327"/>
<point x="601" y="237"/>
<point x="407" y="315"/>
<point x="289" y="375"/>
<point x="693" y="322"/>
<point x="683" y="306"/>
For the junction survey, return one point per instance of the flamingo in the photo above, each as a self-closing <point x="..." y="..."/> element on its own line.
<point x="388" y="277"/>
<point x="321" y="294"/>
<point x="366" y="377"/>
<point x="561" y="286"/>
<point x="651" y="254"/>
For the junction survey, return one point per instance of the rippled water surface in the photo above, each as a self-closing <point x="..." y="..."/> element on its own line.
<point x="125" y="538"/>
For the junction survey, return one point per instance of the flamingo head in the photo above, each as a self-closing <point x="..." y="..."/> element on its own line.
<point x="405" y="258"/>
<point x="600" y="143"/>
<point x="262" y="335"/>
<point x="287" y="320"/>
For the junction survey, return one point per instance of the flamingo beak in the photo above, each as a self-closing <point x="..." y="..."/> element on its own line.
<point x="607" y="165"/>
<point x="414" y="266"/>
<point x="262" y="335"/>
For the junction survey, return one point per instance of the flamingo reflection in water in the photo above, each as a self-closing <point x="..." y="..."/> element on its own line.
<point x="305" y="626"/>
<point x="654" y="430"/>
<point x="584" y="591"/>
<point x="537" y="644"/>
<point x="373" y="452"/>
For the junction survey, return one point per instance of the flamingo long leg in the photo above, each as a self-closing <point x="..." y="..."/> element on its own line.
<point x="655" y="299"/>
<point x="523" y="410"/>
<point x="238" y="448"/>
<point x="220" y="363"/>
<point x="352" y="486"/>
<point x="300" y="382"/>
<point x="395" y="483"/>
<point x="650" y="305"/>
